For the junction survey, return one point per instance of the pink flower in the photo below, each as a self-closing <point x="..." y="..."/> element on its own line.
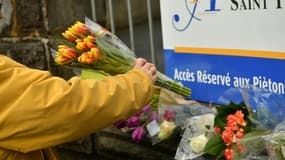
<point x="138" y="134"/>
<point x="120" y="124"/>
<point x="146" y="109"/>
<point x="153" y="116"/>
<point x="134" y="121"/>
<point x="169" y="115"/>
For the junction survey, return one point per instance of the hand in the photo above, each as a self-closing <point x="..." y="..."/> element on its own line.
<point x="147" y="67"/>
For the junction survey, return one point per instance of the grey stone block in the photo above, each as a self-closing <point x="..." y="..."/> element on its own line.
<point x="30" y="20"/>
<point x="83" y="145"/>
<point x="63" y="13"/>
<point x="30" y="52"/>
<point x="116" y="145"/>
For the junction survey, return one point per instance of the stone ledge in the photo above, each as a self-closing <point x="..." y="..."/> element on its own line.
<point x="30" y="52"/>
<point x="112" y="143"/>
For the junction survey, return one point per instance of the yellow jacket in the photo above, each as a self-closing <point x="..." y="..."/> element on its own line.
<point x="38" y="111"/>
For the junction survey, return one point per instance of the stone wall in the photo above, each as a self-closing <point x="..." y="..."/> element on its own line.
<point x="27" y="30"/>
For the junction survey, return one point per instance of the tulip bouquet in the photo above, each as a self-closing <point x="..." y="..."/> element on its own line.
<point x="136" y="125"/>
<point x="89" y="45"/>
<point x="160" y="120"/>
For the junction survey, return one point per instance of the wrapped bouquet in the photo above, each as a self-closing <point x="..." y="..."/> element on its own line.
<point x="253" y="129"/>
<point x="89" y="45"/>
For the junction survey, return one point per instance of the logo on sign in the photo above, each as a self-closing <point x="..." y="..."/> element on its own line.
<point x="191" y="8"/>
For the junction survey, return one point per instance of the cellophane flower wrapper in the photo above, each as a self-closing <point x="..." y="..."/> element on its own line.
<point x="173" y="111"/>
<point x="265" y="145"/>
<point x="268" y="108"/>
<point x="195" y="137"/>
<point x="118" y="58"/>
<point x="267" y="140"/>
<point x="90" y="46"/>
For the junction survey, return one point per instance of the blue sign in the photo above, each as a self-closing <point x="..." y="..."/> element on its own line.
<point x="212" y="46"/>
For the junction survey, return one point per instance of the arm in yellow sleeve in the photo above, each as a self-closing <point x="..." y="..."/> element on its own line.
<point x="38" y="110"/>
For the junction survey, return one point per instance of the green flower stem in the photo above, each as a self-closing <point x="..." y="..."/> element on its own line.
<point x="173" y="86"/>
<point x="115" y="61"/>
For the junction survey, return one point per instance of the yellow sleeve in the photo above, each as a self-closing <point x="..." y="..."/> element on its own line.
<point x="38" y="110"/>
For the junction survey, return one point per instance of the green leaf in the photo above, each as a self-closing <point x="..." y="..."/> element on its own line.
<point x="256" y="133"/>
<point x="215" y="145"/>
<point x="93" y="74"/>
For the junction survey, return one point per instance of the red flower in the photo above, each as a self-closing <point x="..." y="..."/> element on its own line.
<point x="240" y="118"/>
<point x="217" y="130"/>
<point x="229" y="153"/>
<point x="240" y="147"/>
<point x="240" y="133"/>
<point x="232" y="122"/>
<point x="169" y="115"/>
<point x="228" y="136"/>
<point x="233" y="133"/>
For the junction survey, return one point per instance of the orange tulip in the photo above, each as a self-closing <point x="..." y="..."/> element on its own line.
<point x="62" y="60"/>
<point x="240" y="133"/>
<point x="81" y="45"/>
<point x="62" y="46"/>
<point x="90" y="41"/>
<point x="69" y="53"/>
<point x="80" y="28"/>
<point x="86" y="58"/>
<point x="65" y="55"/>
<point x="95" y="52"/>
<point x="69" y="36"/>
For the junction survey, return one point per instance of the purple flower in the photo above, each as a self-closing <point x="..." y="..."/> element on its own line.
<point x="146" y="109"/>
<point x="134" y="121"/>
<point x="138" y="134"/>
<point x="120" y="124"/>
<point x="153" y="116"/>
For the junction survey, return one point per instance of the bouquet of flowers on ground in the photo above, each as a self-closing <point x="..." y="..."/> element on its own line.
<point x="136" y="125"/>
<point x="88" y="45"/>
<point x="253" y="129"/>
<point x="163" y="119"/>
<point x="173" y="111"/>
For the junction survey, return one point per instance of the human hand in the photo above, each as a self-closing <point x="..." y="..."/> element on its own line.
<point x="147" y="67"/>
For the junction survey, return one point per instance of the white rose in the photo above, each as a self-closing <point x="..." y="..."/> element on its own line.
<point x="198" y="143"/>
<point x="166" y="129"/>
<point x="206" y="122"/>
